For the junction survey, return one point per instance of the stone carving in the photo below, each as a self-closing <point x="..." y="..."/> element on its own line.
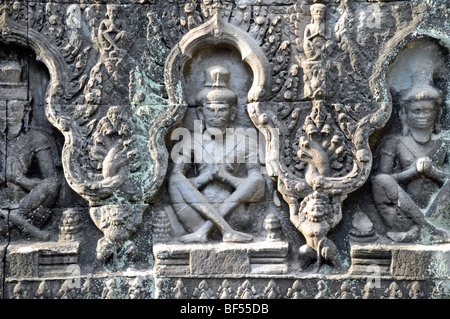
<point x="345" y="292"/>
<point x="203" y="291"/>
<point x="410" y="167"/>
<point x="190" y="18"/>
<point x="272" y="291"/>
<point x="326" y="83"/>
<point x="118" y="224"/>
<point x="393" y="291"/>
<point x="322" y="290"/>
<point x="415" y="291"/>
<point x="110" y="289"/>
<point x="273" y="227"/>
<point x="208" y="8"/>
<point x="196" y="200"/>
<point x="88" y="290"/>
<point x="111" y="37"/>
<point x="316" y="216"/>
<point x="43" y="291"/>
<point x="224" y="291"/>
<point x="314" y="42"/>
<point x="29" y="179"/>
<point x="70" y="228"/>
<point x="441" y="291"/>
<point x="136" y="289"/>
<point x="179" y="290"/>
<point x="296" y="291"/>
<point x="246" y="291"/>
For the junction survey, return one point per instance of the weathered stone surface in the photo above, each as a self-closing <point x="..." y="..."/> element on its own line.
<point x="236" y="149"/>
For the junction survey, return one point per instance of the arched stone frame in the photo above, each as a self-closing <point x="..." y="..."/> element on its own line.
<point x="213" y="33"/>
<point x="45" y="52"/>
<point x="45" y="58"/>
<point x="384" y="93"/>
<point x="378" y="82"/>
<point x="51" y="57"/>
<point x="219" y="35"/>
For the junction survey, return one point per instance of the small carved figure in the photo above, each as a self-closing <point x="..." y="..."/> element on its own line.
<point x="190" y="18"/>
<point x="273" y="227"/>
<point x="205" y="200"/>
<point x="441" y="291"/>
<point x="323" y="146"/>
<point x="322" y="290"/>
<point x="20" y="291"/>
<point x="314" y="35"/>
<point x="242" y="15"/>
<point x="170" y="20"/>
<point x="258" y="30"/>
<point x="112" y="153"/>
<point x="368" y="292"/>
<point x="67" y="291"/>
<point x="316" y="216"/>
<point x="209" y="8"/>
<point x="111" y="36"/>
<point x="118" y="224"/>
<point x="410" y="167"/>
<point x="70" y="229"/>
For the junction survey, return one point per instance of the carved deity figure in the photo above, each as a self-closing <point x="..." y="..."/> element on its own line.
<point x="316" y="216"/>
<point x="110" y="33"/>
<point x="29" y="180"/>
<point x="314" y="43"/>
<point x="410" y="168"/>
<point x="218" y="188"/>
<point x="314" y="35"/>
<point x="190" y="18"/>
<point x="242" y="16"/>
<point x="208" y="8"/>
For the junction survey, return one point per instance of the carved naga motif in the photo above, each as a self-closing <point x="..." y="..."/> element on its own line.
<point x="108" y="156"/>
<point x="318" y="152"/>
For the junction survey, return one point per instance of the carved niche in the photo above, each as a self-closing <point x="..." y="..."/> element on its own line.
<point x="31" y="176"/>
<point x="332" y="157"/>
<point x="409" y="184"/>
<point x="217" y="190"/>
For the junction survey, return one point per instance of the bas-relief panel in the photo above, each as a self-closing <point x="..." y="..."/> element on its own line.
<point x="240" y="139"/>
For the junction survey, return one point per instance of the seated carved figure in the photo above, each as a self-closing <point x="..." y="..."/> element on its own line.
<point x="111" y="38"/>
<point x="205" y="200"/>
<point x="314" y="35"/>
<point x="24" y="191"/>
<point x="316" y="216"/>
<point x="410" y="168"/>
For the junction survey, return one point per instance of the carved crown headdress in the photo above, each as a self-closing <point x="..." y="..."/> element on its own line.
<point x="422" y="87"/>
<point x="216" y="90"/>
